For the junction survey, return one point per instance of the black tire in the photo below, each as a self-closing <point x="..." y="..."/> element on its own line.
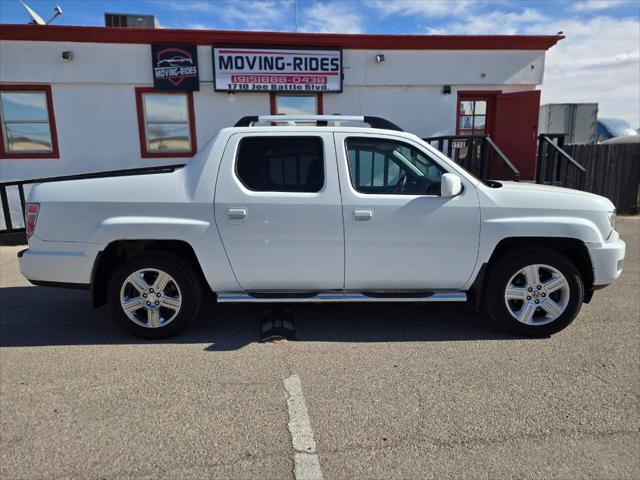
<point x="508" y="266"/>
<point x="184" y="277"/>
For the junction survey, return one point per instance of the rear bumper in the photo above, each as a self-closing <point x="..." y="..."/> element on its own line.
<point x="607" y="260"/>
<point x="63" y="265"/>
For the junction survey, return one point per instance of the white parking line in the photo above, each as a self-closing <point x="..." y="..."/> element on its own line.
<point x="307" y="463"/>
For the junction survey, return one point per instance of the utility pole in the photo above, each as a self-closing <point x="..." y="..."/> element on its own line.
<point x="295" y="6"/>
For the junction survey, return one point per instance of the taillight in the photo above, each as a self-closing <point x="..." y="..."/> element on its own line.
<point x="31" y="210"/>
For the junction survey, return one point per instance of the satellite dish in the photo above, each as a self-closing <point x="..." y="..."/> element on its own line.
<point x="37" y="19"/>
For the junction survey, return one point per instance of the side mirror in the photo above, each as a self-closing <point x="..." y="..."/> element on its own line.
<point x="450" y="185"/>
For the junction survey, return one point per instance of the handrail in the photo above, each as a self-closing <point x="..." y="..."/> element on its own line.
<point x="563" y="153"/>
<point x="477" y="160"/>
<point x="514" y="169"/>
<point x="6" y="210"/>
<point x="452" y="137"/>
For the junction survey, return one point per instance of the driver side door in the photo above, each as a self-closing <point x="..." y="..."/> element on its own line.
<point x="400" y="234"/>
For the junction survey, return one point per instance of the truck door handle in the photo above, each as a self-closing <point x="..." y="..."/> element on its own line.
<point x="237" y="213"/>
<point x="363" y="214"/>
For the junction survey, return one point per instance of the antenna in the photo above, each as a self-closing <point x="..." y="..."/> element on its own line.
<point x="57" y="11"/>
<point x="37" y="19"/>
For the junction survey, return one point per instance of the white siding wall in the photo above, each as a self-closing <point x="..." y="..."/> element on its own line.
<point x="95" y="111"/>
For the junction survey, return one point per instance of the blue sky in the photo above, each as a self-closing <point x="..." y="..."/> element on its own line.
<point x="599" y="61"/>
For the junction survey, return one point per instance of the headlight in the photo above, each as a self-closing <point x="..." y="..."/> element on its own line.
<point x="611" y="216"/>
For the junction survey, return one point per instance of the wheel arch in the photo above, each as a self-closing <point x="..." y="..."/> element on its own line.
<point x="572" y="248"/>
<point x="118" y="251"/>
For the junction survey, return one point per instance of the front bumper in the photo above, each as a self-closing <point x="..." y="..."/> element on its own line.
<point x="607" y="260"/>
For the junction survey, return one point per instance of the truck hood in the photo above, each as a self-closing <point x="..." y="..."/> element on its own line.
<point x="552" y="210"/>
<point x="549" y="196"/>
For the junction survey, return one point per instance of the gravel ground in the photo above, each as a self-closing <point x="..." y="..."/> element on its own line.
<point x="392" y="390"/>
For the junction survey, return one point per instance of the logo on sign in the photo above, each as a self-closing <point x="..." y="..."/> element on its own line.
<point x="175" y="67"/>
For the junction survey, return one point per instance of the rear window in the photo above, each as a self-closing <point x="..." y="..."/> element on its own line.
<point x="281" y="164"/>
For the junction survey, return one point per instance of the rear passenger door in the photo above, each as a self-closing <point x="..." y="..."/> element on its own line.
<point x="277" y="206"/>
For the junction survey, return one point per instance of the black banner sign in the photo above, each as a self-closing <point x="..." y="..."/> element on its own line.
<point x="175" y="67"/>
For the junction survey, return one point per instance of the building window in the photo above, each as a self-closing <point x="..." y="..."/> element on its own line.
<point x="28" y="124"/>
<point x="472" y="117"/>
<point x="281" y="164"/>
<point x="288" y="104"/>
<point x="166" y="123"/>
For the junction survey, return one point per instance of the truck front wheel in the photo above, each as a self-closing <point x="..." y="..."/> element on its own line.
<point x="534" y="292"/>
<point x="153" y="295"/>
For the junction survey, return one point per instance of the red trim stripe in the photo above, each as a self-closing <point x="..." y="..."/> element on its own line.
<point x="60" y="33"/>
<point x="275" y="74"/>
<point x="276" y="52"/>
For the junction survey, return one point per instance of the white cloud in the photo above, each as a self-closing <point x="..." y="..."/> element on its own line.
<point x="194" y="26"/>
<point x="251" y="14"/>
<point x="336" y="17"/>
<point x="496" y="22"/>
<point x="432" y="8"/>
<point x="598" y="61"/>
<point x="595" y="5"/>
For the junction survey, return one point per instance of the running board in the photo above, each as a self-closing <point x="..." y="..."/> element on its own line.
<point x="242" y="297"/>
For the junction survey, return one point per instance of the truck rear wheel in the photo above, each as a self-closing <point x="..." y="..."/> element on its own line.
<point x="534" y="292"/>
<point x="153" y="295"/>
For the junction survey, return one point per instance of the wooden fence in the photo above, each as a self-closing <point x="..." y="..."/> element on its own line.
<point x="613" y="171"/>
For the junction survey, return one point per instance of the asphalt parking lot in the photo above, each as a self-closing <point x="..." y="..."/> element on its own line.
<point x="393" y="390"/>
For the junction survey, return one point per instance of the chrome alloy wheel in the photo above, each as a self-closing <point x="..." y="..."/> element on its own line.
<point x="150" y="298"/>
<point x="537" y="294"/>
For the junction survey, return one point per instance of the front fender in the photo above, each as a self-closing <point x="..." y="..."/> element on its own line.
<point x="497" y="229"/>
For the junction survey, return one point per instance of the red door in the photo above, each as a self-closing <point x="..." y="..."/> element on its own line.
<point x="516" y="128"/>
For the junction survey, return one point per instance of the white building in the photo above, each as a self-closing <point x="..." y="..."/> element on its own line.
<point x="82" y="99"/>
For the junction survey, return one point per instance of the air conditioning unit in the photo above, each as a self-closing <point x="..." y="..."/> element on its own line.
<point x="130" y="20"/>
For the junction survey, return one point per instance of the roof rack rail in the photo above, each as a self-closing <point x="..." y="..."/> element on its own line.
<point x="320" y="120"/>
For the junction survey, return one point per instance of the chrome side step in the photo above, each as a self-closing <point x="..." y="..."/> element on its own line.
<point x="243" y="297"/>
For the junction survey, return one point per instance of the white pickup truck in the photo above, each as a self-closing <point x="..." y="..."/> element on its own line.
<point x="321" y="212"/>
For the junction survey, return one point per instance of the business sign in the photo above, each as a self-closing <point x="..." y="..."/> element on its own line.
<point x="175" y="67"/>
<point x="238" y="69"/>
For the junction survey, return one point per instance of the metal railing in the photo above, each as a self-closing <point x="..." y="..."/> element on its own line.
<point x="555" y="166"/>
<point x="477" y="153"/>
<point x="11" y="224"/>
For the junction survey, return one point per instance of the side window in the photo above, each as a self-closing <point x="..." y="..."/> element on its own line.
<point x="281" y="164"/>
<point x="385" y="166"/>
